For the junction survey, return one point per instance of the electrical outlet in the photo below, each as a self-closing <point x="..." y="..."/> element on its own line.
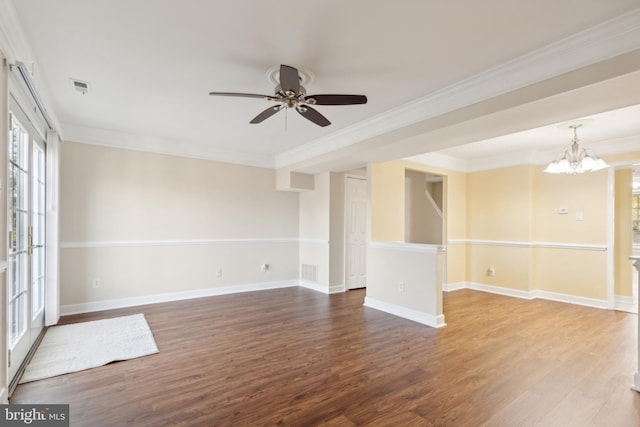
<point x="264" y="268"/>
<point x="96" y="282"/>
<point x="491" y="271"/>
<point x="401" y="287"/>
<point x="219" y="272"/>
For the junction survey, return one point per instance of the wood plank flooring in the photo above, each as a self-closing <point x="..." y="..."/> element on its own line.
<point x="295" y="357"/>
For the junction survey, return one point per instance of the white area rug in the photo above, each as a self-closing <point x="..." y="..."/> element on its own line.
<point x="80" y="346"/>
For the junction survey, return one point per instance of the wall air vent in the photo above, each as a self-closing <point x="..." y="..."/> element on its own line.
<point x="309" y="272"/>
<point x="80" y="86"/>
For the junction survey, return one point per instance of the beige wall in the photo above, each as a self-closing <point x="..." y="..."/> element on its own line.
<point x="499" y="210"/>
<point x="499" y="204"/>
<point x="514" y="226"/>
<point x="579" y="272"/>
<point x="624" y="270"/>
<point x="422" y="222"/>
<point x="387" y="210"/>
<point x="405" y="277"/>
<point x="508" y="219"/>
<point x="585" y="193"/>
<point x="387" y="201"/>
<point x="148" y="224"/>
<point x="337" y="230"/>
<point x="315" y="220"/>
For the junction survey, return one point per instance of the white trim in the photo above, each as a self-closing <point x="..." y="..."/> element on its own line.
<point x="534" y="294"/>
<point x="313" y="286"/>
<point x="177" y="242"/>
<point x="611" y="213"/>
<point x="636" y="382"/>
<point x="410" y="247"/>
<point x="4" y="397"/>
<point x="576" y="246"/>
<point x="516" y="293"/>
<point x="13" y="42"/>
<point x="572" y="299"/>
<point x="604" y="41"/>
<point x="507" y="243"/>
<point x="435" y="321"/>
<point x="456" y="286"/>
<point x="337" y="289"/>
<point x="52" y="237"/>
<point x="3" y="266"/>
<point x="173" y="296"/>
<point x="433" y="203"/>
<point x="516" y="244"/>
<point x="321" y="288"/>
<point x="625" y="303"/>
<point x="313" y="241"/>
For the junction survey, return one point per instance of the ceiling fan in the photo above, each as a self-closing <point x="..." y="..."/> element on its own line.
<point x="291" y="94"/>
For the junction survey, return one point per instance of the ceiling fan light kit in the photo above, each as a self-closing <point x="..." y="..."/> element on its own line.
<point x="290" y="93"/>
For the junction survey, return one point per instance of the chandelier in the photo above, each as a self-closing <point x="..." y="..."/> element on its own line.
<point x="576" y="160"/>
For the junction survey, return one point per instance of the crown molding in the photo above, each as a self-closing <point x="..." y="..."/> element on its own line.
<point x="15" y="45"/>
<point x="13" y="41"/>
<point x="152" y="144"/>
<point x="604" y="41"/>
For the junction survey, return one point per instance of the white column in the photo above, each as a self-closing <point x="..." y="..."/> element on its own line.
<point x="636" y="377"/>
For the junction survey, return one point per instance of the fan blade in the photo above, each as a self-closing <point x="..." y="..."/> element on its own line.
<point x="266" y="114"/>
<point x="289" y="79"/>
<point x="243" y="95"/>
<point x="313" y="115"/>
<point x="336" y="99"/>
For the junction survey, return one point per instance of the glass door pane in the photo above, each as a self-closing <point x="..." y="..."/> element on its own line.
<point x="37" y="229"/>
<point x="18" y="244"/>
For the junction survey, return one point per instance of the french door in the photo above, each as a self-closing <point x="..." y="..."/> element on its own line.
<point x="26" y="253"/>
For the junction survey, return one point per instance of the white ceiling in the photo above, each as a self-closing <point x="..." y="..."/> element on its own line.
<point x="151" y="64"/>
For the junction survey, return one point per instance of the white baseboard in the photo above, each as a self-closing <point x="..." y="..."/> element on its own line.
<point x="314" y="286"/>
<point x="636" y="382"/>
<point x="517" y="293"/>
<point x="435" y="321"/>
<point x="572" y="299"/>
<point x="168" y="297"/>
<point x="533" y="294"/>
<point x="450" y="287"/>
<point x="336" y="289"/>
<point x="625" y="303"/>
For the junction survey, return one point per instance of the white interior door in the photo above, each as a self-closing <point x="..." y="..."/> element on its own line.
<point x="26" y="273"/>
<point x="356" y="253"/>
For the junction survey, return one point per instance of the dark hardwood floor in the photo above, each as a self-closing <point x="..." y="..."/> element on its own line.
<point x="299" y="358"/>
